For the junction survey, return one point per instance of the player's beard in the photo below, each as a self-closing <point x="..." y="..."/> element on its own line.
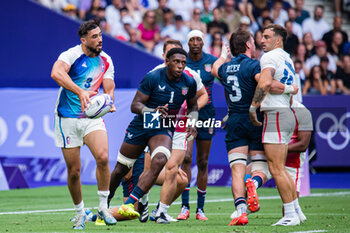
<point x="95" y="51"/>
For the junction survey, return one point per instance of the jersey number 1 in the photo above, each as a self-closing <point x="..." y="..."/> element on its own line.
<point x="235" y="88"/>
<point x="171" y="97"/>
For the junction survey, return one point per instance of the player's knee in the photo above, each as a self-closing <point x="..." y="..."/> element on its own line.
<point x="237" y="158"/>
<point x="202" y="165"/>
<point x="187" y="159"/>
<point x="275" y="169"/>
<point x="102" y="159"/>
<point x="128" y="162"/>
<point x="159" y="160"/>
<point x="74" y="174"/>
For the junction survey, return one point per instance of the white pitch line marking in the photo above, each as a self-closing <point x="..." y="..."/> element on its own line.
<point x="176" y="203"/>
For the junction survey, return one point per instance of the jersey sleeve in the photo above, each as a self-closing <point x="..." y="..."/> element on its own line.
<point x="69" y="56"/>
<point x="304" y="120"/>
<point x="110" y="71"/>
<point x="146" y="85"/>
<point x="268" y="60"/>
<point x="221" y="72"/>
<point x="255" y="68"/>
<point x="192" y="90"/>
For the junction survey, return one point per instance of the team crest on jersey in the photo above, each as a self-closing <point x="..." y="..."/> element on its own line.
<point x="211" y="130"/>
<point x="207" y="67"/>
<point x="184" y="90"/>
<point x="84" y="64"/>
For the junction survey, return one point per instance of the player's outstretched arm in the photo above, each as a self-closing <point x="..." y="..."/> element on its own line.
<point x="59" y="73"/>
<point x="225" y="51"/>
<point x="108" y="88"/>
<point x="263" y="87"/>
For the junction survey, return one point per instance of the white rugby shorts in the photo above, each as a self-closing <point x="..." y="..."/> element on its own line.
<point x="278" y="126"/>
<point x="180" y="141"/>
<point x="295" y="173"/>
<point x="70" y="132"/>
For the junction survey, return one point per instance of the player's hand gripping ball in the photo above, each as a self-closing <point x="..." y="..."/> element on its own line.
<point x="100" y="105"/>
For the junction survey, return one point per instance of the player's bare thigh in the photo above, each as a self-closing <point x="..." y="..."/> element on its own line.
<point x="97" y="141"/>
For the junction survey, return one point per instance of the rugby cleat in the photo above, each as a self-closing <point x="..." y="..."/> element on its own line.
<point x="128" y="211"/>
<point x="200" y="215"/>
<point x="100" y="222"/>
<point x="252" y="196"/>
<point x="79" y="223"/>
<point x="106" y="215"/>
<point x="290" y="221"/>
<point x="143" y="211"/>
<point x="301" y="215"/>
<point x="162" y="219"/>
<point x="152" y="216"/>
<point x="90" y="217"/>
<point x="239" y="221"/>
<point x="184" y="213"/>
<point x="235" y="213"/>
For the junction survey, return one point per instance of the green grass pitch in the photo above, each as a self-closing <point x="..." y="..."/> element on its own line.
<point x="326" y="210"/>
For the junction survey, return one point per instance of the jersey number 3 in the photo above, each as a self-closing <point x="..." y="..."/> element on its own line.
<point x="235" y="88"/>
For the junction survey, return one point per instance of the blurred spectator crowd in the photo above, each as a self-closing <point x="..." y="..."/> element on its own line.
<point x="320" y="51"/>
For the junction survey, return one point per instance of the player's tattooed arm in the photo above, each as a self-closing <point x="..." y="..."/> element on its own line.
<point x="263" y="87"/>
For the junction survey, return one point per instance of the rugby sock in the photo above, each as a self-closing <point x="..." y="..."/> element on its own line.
<point x="241" y="205"/>
<point x="289" y="210"/>
<point x="186" y="196"/>
<point x="135" y="195"/>
<point x="163" y="208"/>
<point x="103" y="195"/>
<point x="144" y="199"/>
<point x="80" y="208"/>
<point x="257" y="181"/>
<point x="201" y="198"/>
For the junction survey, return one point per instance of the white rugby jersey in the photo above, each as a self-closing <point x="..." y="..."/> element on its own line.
<point x="279" y="60"/>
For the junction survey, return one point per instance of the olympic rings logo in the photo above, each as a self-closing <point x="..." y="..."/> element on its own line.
<point x="332" y="131"/>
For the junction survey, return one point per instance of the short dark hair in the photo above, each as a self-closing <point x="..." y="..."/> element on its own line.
<point x="86" y="27"/>
<point x="278" y="30"/>
<point x="173" y="42"/>
<point x="176" y="51"/>
<point x="238" y="41"/>
<point x="319" y="6"/>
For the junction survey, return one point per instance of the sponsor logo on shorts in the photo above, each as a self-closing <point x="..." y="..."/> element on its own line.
<point x="68" y="140"/>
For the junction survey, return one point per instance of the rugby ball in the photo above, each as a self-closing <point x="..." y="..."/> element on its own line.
<point x="100" y="105"/>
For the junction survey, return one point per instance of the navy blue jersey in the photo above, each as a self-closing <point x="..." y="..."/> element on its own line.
<point x="203" y="68"/>
<point x="162" y="91"/>
<point x="238" y="79"/>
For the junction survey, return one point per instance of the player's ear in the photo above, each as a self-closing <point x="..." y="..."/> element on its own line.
<point x="166" y="61"/>
<point x="83" y="40"/>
